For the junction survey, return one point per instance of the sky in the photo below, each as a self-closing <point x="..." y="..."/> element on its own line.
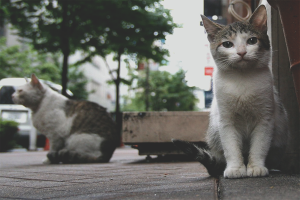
<point x="187" y="44"/>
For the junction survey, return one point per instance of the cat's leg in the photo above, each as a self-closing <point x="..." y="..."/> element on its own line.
<point x="55" y="145"/>
<point x="67" y="156"/>
<point x="81" y="148"/>
<point x="107" y="149"/>
<point x="231" y="142"/>
<point x="216" y="150"/>
<point x="259" y="146"/>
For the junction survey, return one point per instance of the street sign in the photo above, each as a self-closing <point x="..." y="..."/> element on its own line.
<point x="208" y="71"/>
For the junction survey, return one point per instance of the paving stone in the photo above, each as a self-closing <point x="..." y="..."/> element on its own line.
<point x="127" y="176"/>
<point x="276" y="186"/>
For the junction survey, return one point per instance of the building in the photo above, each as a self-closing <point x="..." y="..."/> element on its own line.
<point x="98" y="75"/>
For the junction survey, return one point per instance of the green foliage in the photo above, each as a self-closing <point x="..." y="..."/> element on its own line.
<point x="97" y="27"/>
<point x="167" y="92"/>
<point x="18" y="62"/>
<point x="77" y="83"/>
<point x="42" y="22"/>
<point x="135" y="28"/>
<point x="8" y="134"/>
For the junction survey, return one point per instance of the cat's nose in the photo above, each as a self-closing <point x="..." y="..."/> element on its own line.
<point x="242" y="54"/>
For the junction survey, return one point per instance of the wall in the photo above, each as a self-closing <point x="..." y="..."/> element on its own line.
<point x="284" y="83"/>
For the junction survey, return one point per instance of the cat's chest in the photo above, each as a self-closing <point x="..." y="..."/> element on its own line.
<point x="52" y="120"/>
<point x="243" y="92"/>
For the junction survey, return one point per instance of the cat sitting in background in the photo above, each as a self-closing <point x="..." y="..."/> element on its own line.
<point x="248" y="130"/>
<point x="78" y="131"/>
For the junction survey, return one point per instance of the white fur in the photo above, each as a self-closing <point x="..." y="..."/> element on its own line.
<point x="49" y="118"/>
<point x="253" y="57"/>
<point x="245" y="110"/>
<point x="88" y="144"/>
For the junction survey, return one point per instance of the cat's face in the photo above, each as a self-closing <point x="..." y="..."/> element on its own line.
<point x="240" y="50"/>
<point x="240" y="45"/>
<point x="30" y="94"/>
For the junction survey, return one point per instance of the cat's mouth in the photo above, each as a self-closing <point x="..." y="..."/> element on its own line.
<point x="243" y="60"/>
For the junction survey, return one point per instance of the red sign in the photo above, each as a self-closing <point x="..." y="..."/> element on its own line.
<point x="208" y="71"/>
<point x="141" y="66"/>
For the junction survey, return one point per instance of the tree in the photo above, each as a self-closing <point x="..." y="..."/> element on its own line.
<point x="78" y="83"/>
<point x="97" y="28"/>
<point x="58" y="26"/>
<point x="134" y="31"/>
<point x="167" y="93"/>
<point x="18" y="62"/>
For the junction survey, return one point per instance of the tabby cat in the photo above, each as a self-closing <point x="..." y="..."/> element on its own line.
<point x="248" y="129"/>
<point x="78" y="131"/>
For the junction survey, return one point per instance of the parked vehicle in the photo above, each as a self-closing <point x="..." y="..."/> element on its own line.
<point x="28" y="136"/>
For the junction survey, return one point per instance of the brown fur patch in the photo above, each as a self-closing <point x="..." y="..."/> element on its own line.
<point x="93" y="119"/>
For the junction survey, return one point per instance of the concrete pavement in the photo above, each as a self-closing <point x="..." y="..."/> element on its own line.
<point x="276" y="186"/>
<point x="127" y="176"/>
<point x="130" y="176"/>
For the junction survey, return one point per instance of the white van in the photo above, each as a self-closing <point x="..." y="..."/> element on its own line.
<point x="10" y="111"/>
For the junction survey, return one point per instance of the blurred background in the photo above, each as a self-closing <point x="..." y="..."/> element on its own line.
<point x="135" y="55"/>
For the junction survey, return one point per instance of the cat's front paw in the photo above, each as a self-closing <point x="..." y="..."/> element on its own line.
<point x="257" y="171"/>
<point x="53" y="157"/>
<point x="235" y="172"/>
<point x="46" y="161"/>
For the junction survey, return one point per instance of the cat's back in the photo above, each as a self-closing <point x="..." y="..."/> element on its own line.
<point x="89" y="117"/>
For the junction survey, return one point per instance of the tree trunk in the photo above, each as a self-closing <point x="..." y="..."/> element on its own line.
<point x="65" y="46"/>
<point x="147" y="86"/>
<point x="118" y="80"/>
<point x="64" y="75"/>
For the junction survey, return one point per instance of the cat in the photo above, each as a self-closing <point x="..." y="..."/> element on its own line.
<point x="78" y="131"/>
<point x="248" y="128"/>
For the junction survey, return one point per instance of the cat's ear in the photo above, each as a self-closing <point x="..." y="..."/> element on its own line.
<point x="259" y="18"/>
<point x="211" y="28"/>
<point x="35" y="82"/>
<point x="26" y="79"/>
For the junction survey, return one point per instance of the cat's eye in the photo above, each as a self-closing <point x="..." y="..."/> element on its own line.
<point x="227" y="44"/>
<point x="20" y="90"/>
<point x="252" y="41"/>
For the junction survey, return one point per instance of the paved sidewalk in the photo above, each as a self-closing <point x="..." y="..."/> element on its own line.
<point x="127" y="176"/>
<point x="130" y="176"/>
<point x="274" y="187"/>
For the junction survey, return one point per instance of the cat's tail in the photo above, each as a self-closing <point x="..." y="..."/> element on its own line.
<point x="202" y="155"/>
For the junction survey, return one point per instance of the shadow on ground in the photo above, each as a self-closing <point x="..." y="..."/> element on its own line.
<point x="164" y="159"/>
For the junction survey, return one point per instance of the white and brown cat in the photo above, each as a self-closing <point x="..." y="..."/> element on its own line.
<point x="78" y="131"/>
<point x="248" y="130"/>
